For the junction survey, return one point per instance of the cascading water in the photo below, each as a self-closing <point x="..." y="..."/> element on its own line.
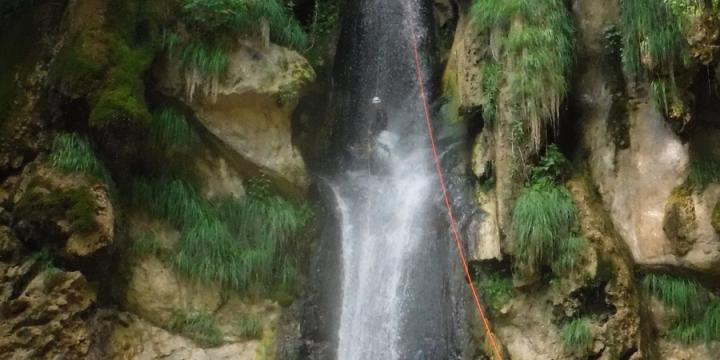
<point x="396" y="299"/>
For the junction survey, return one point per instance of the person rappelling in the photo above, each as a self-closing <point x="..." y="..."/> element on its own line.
<point x="379" y="123"/>
<point x="377" y="149"/>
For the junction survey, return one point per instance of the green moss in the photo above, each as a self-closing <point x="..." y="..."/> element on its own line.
<point x="496" y="290"/>
<point x="79" y="67"/>
<point x="121" y="102"/>
<point x="201" y="327"/>
<point x="75" y="205"/>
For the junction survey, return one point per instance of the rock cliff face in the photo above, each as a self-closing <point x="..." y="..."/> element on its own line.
<point x="249" y="111"/>
<point x="86" y="273"/>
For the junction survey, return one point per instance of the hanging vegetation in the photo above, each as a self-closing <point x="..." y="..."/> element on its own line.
<point x="531" y="55"/>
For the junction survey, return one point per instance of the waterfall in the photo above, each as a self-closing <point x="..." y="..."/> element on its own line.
<point x="395" y="299"/>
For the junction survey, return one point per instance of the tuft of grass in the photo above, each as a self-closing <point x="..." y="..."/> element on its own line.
<point x="207" y="60"/>
<point x="544" y="217"/>
<point x="497" y="290"/>
<point x="697" y="314"/>
<point x="242" y="244"/>
<point x="685" y="297"/>
<point x="569" y="254"/>
<point x="249" y="327"/>
<point x="171" y="133"/>
<point x="703" y="172"/>
<point x="577" y="336"/>
<point x="73" y="153"/>
<point x="201" y="327"/>
<point x="535" y="57"/>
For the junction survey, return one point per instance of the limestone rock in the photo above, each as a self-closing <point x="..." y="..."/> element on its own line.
<point x="680" y="223"/>
<point x="156" y="292"/>
<point x="250" y="110"/>
<point x="221" y="178"/>
<point x="637" y="185"/>
<point x="8" y="243"/>
<point x="67" y="212"/>
<point x="528" y="331"/>
<point x="137" y="339"/>
<point x="45" y="320"/>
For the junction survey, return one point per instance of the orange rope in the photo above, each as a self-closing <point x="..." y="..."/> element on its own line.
<point x="451" y="217"/>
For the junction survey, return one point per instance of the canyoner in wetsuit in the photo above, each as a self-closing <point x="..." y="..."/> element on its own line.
<point x="377" y="151"/>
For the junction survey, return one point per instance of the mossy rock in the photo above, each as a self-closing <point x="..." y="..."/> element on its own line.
<point x="80" y="66"/>
<point x="680" y="222"/>
<point x="716" y="218"/>
<point x="47" y="207"/>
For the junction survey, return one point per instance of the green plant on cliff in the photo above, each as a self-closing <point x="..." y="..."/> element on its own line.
<point x="120" y="105"/>
<point x="73" y="153"/>
<point x="171" y="133"/>
<point x="652" y="35"/>
<point x="77" y="206"/>
<point x="545" y="219"/>
<point x="703" y="171"/>
<point x="246" y="17"/>
<point x="247" y="244"/>
<point x="535" y="58"/>
<point x="496" y="290"/>
<point x="696" y="311"/>
<point x="686" y="297"/>
<point x="199" y="326"/>
<point x="577" y="336"/>
<point x="249" y="327"/>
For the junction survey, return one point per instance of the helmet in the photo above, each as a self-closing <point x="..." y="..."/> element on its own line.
<point x="376" y="100"/>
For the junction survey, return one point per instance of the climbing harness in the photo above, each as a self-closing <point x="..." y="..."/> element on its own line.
<point x="446" y="198"/>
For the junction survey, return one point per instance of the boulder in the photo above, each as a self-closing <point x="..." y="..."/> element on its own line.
<point x="43" y="316"/>
<point x="137" y="339"/>
<point x="68" y="213"/>
<point x="249" y="111"/>
<point x="156" y="292"/>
